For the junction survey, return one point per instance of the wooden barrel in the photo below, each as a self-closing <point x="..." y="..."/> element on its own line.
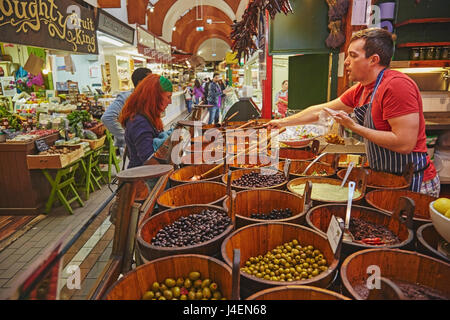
<point x="298" y="166"/>
<point x="429" y="241"/>
<point x="296" y="154"/>
<point x="150" y="228"/>
<point x="395" y="265"/>
<point x="203" y="192"/>
<point x="387" y="201"/>
<point x="251" y="161"/>
<point x="236" y="174"/>
<point x="264" y="201"/>
<point x="196" y="158"/>
<point x="258" y="239"/>
<point x="342" y="158"/>
<point x="296" y="293"/>
<point x="135" y="283"/>
<point x="378" y="179"/>
<point x="360" y="186"/>
<point x="319" y="219"/>
<point x="184" y="174"/>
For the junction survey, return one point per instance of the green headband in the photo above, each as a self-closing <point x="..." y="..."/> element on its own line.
<point x="166" y="85"/>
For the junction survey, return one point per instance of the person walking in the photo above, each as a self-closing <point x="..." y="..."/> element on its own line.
<point x="188" y="92"/>
<point x="199" y="92"/>
<point x="214" y="93"/>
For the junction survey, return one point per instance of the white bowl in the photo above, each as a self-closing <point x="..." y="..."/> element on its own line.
<point x="440" y="222"/>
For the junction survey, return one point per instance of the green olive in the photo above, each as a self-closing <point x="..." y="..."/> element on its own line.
<point x="168" y="294"/>
<point x="169" y="282"/>
<point x="310" y="248"/>
<point x="180" y="282"/>
<point x="155" y="286"/>
<point x="148" y="295"/>
<point x="315" y="272"/>
<point x="295" y="242"/>
<point x="194" y="275"/>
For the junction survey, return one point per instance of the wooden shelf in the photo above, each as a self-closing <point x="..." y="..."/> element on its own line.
<point x="420" y="64"/>
<point x="428" y="20"/>
<point x="422" y="44"/>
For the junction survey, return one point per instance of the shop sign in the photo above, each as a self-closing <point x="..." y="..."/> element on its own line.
<point x="53" y="24"/>
<point x="110" y="25"/>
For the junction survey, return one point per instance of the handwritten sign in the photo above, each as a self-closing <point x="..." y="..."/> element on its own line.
<point x="54" y="24"/>
<point x="41" y="145"/>
<point x="334" y="233"/>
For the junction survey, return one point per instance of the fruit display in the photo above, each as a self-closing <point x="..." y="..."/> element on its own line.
<point x="258" y="180"/>
<point x="442" y="205"/>
<point x="192" y="287"/>
<point x="55" y="150"/>
<point x="287" y="262"/>
<point x="275" y="214"/>
<point x="193" y="229"/>
<point x="371" y="234"/>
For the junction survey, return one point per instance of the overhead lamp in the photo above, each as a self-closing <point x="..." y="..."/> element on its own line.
<point x="174" y="28"/>
<point x="200" y="29"/>
<point x="110" y="41"/>
<point x="209" y="21"/>
<point x="213" y="54"/>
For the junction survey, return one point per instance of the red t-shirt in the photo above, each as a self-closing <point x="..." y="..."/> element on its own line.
<point x="397" y="95"/>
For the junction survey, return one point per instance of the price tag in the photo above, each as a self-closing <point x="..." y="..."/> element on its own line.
<point x="41" y="145"/>
<point x="334" y="233"/>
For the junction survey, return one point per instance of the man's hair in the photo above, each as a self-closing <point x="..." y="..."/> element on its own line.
<point x="215" y="74"/>
<point x="377" y="41"/>
<point x="139" y="74"/>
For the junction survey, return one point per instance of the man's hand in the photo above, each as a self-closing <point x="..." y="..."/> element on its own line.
<point x="343" y="119"/>
<point x="274" y="124"/>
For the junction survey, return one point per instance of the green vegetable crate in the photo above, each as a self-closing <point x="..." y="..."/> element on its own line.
<point x="95" y="144"/>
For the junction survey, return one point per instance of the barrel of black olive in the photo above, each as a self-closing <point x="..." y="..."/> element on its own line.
<point x="366" y="223"/>
<point x="198" y="229"/>
<point x="430" y="242"/>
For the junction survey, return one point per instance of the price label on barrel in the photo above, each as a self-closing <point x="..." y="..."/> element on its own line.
<point x="334" y="233"/>
<point x="41" y="145"/>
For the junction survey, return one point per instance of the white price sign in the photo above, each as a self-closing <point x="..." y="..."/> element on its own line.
<point x="334" y="233"/>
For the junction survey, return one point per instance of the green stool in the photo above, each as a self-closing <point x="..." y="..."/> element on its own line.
<point x="111" y="154"/>
<point x="89" y="171"/>
<point x="63" y="183"/>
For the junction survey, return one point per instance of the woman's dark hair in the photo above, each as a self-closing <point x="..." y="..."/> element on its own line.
<point x="284" y="82"/>
<point x="197" y="83"/>
<point x="377" y="41"/>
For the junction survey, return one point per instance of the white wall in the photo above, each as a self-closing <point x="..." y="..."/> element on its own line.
<point x="82" y="65"/>
<point x="280" y="73"/>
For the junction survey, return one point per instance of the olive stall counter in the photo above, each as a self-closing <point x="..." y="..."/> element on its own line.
<point x="22" y="191"/>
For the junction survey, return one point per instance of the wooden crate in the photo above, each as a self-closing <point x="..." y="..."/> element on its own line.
<point x="95" y="144"/>
<point x="56" y="161"/>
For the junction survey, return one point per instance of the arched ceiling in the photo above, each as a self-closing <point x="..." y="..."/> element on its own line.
<point x="182" y="15"/>
<point x="216" y="46"/>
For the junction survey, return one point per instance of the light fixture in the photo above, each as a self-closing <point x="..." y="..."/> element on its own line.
<point x="110" y="41"/>
<point x="213" y="54"/>
<point x="174" y="28"/>
<point x="45" y="71"/>
<point x="200" y="28"/>
<point x="209" y="21"/>
<point x="139" y="59"/>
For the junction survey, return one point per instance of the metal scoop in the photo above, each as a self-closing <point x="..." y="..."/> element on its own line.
<point x="351" y="190"/>
<point x="312" y="163"/>
<point x="349" y="169"/>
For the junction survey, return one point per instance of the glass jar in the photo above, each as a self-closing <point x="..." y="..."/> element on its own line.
<point x="444" y="53"/>
<point x="422" y="54"/>
<point x="437" y="53"/>
<point x="430" y="53"/>
<point x="414" y="54"/>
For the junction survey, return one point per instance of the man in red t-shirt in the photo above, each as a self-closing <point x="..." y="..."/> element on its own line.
<point x="388" y="111"/>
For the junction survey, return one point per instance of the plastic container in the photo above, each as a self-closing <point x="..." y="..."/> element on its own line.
<point x="442" y="163"/>
<point x="387" y="10"/>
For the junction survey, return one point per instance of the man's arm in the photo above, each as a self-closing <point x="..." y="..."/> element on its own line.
<point x="111" y="117"/>
<point x="311" y="114"/>
<point x="402" y="138"/>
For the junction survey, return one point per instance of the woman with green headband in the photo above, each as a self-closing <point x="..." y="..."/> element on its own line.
<point x="141" y="118"/>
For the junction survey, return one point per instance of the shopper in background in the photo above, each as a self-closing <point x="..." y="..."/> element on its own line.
<point x="281" y="99"/>
<point x="214" y="93"/>
<point x="188" y="92"/>
<point x="141" y="118"/>
<point x="199" y="92"/>
<point x="206" y="87"/>
<point x="388" y="111"/>
<point x="111" y="116"/>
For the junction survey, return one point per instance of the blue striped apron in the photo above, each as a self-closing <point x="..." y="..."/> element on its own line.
<point x="382" y="159"/>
